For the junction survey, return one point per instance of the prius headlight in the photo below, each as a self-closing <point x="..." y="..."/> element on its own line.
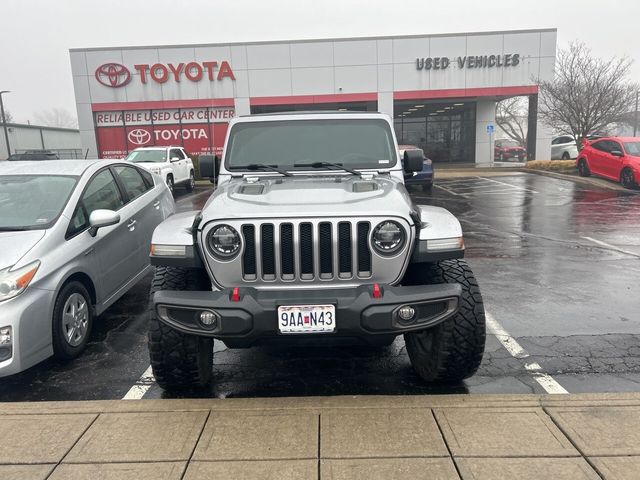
<point x="224" y="242"/>
<point x="388" y="237"/>
<point x="14" y="282"/>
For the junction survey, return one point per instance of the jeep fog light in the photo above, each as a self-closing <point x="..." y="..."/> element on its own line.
<point x="407" y="313"/>
<point x="168" y="250"/>
<point x="208" y="318"/>
<point x="456" y="243"/>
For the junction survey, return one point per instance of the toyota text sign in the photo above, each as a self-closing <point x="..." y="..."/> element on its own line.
<point x="117" y="75"/>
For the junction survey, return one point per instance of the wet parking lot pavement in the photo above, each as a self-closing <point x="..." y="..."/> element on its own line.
<point x="558" y="264"/>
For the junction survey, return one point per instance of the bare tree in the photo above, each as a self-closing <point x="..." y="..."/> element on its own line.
<point x="57" y="117"/>
<point x="511" y="117"/>
<point x="587" y="94"/>
<point x="8" y="118"/>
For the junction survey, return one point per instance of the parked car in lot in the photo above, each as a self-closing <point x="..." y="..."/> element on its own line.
<point x="563" y="148"/>
<point x="615" y="158"/>
<point x="422" y="179"/>
<point x="311" y="238"/>
<point x="33" y="155"/>
<point x="74" y="237"/>
<point x="509" y="150"/>
<point x="171" y="163"/>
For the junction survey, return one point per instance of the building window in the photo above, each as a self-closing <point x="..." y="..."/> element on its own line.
<point x="445" y="131"/>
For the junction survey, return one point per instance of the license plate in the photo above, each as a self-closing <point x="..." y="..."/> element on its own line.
<point x="307" y="318"/>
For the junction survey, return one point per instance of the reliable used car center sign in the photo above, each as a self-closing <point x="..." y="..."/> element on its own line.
<point x="198" y="130"/>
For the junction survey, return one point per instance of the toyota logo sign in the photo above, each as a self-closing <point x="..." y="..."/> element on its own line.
<point x="139" y="136"/>
<point x="113" y="75"/>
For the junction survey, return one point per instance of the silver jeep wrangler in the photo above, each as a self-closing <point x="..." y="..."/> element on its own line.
<point x="311" y="237"/>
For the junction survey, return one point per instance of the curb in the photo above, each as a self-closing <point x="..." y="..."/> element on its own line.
<point x="601" y="183"/>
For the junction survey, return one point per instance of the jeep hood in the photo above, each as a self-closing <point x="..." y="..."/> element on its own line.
<point x="14" y="245"/>
<point x="308" y="196"/>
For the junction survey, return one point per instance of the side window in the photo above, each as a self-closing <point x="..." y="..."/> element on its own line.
<point x="148" y="178"/>
<point x="614" y="146"/>
<point x="556" y="141"/>
<point x="79" y="221"/>
<point x="131" y="180"/>
<point x="601" y="145"/>
<point x="176" y="152"/>
<point x="102" y="193"/>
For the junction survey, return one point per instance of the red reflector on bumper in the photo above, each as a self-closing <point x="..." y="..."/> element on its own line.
<point x="377" y="292"/>
<point x="235" y="294"/>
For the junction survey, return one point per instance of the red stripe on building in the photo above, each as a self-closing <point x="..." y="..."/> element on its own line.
<point x="161" y="104"/>
<point x="307" y="99"/>
<point x="466" y="92"/>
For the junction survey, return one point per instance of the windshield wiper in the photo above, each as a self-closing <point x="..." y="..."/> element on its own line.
<point x="271" y="168"/>
<point x="334" y="166"/>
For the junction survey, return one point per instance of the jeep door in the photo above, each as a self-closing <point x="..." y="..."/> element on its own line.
<point x="145" y="198"/>
<point x="116" y="247"/>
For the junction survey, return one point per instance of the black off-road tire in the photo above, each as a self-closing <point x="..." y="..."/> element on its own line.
<point x="452" y="350"/>
<point x="179" y="361"/>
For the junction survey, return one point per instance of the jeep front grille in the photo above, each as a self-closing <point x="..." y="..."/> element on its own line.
<point x="305" y="251"/>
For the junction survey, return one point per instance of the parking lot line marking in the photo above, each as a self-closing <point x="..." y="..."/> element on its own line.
<point x="447" y="190"/>
<point x="508" y="184"/>
<point x="142" y="386"/>
<point x="546" y="381"/>
<point x="611" y="247"/>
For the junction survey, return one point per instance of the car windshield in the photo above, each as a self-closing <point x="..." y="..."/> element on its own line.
<point x="632" y="148"/>
<point x="296" y="144"/>
<point x="31" y="202"/>
<point x="147" y="156"/>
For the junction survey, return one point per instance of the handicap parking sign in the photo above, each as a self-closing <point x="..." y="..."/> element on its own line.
<point x="490" y="128"/>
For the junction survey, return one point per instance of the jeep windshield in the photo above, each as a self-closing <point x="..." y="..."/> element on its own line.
<point x="147" y="156"/>
<point x="299" y="144"/>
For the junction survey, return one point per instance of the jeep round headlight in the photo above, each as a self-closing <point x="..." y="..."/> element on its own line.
<point x="388" y="238"/>
<point x="224" y="241"/>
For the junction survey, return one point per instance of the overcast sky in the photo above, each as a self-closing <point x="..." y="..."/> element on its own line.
<point x="37" y="34"/>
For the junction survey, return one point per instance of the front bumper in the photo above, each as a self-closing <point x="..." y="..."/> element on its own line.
<point x="29" y="316"/>
<point x="359" y="316"/>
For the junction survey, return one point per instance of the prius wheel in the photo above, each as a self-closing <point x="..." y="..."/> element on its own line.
<point x="627" y="179"/>
<point x="566" y="156"/>
<point x="179" y="361"/>
<point x="72" y="321"/>
<point x="191" y="184"/>
<point x="583" y="168"/>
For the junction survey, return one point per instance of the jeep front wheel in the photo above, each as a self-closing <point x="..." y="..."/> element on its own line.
<point x="452" y="350"/>
<point x="179" y="360"/>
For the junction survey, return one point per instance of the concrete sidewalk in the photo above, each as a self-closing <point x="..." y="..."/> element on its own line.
<point x="412" y="437"/>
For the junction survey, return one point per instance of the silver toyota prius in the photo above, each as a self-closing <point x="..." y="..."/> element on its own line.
<point x="74" y="237"/>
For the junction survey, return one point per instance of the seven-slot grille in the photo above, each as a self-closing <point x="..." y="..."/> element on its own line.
<point x="306" y="251"/>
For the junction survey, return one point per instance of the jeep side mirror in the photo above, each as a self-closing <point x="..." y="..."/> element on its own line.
<point x="617" y="153"/>
<point x="413" y="160"/>
<point x="102" y="218"/>
<point x="207" y="165"/>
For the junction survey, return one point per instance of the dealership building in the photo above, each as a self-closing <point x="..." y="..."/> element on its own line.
<point x="440" y="90"/>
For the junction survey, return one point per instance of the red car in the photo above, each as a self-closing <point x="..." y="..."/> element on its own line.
<point x="509" y="150"/>
<point x="616" y="158"/>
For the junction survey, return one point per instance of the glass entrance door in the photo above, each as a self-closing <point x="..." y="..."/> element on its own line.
<point x="445" y="131"/>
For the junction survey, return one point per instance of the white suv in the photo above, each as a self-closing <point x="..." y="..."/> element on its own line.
<point x="171" y="163"/>
<point x="563" y="148"/>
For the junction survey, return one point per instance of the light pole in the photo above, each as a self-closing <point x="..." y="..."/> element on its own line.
<point x="4" y="122"/>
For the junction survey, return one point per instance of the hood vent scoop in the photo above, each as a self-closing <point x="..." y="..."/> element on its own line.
<point x="251" y="189"/>
<point x="360" y="187"/>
